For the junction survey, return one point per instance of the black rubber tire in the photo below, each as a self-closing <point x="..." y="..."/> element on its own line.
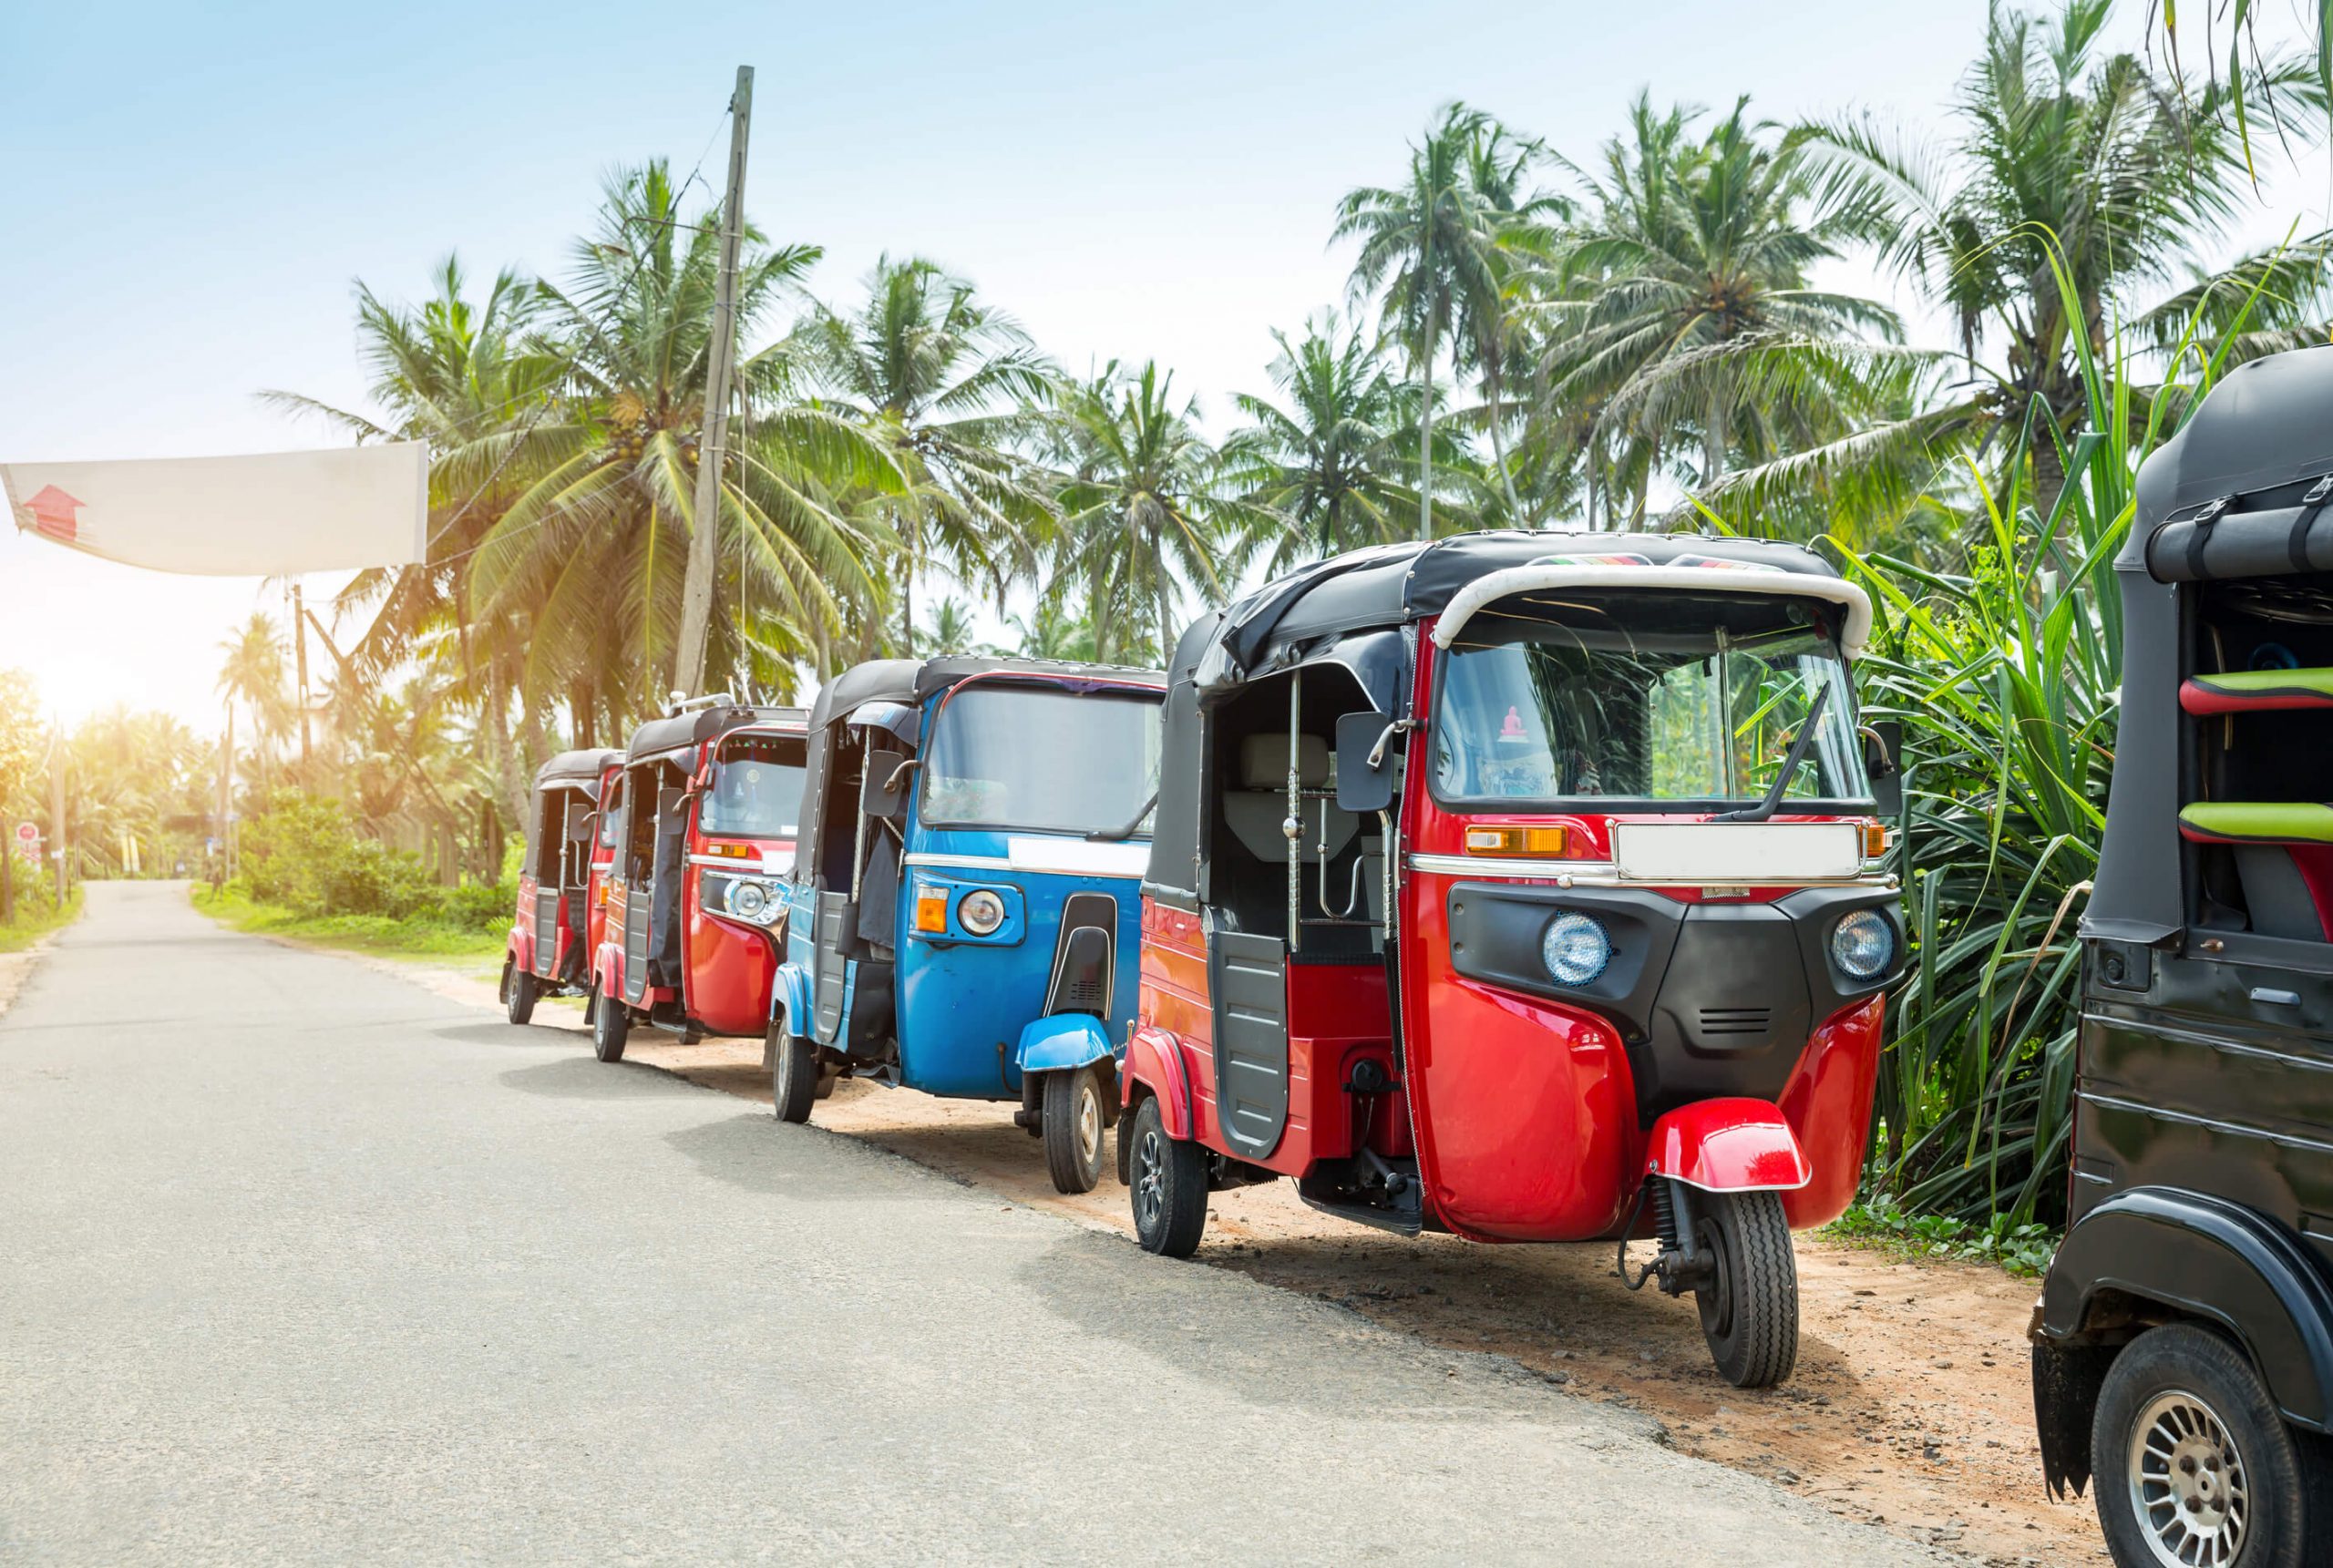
<point x="610" y="1023"/>
<point x="518" y="993"/>
<point x="1750" y="1311"/>
<point x="793" y="1073"/>
<point x="1074" y="1127"/>
<point x="1169" y="1186"/>
<point x="2285" y="1475"/>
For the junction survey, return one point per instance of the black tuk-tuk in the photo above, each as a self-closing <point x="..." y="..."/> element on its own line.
<point x="2183" y="1356"/>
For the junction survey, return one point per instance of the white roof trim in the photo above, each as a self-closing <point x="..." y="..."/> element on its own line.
<point x="1699" y="579"/>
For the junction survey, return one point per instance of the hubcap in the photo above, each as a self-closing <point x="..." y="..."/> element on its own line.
<point x="2188" y="1488"/>
<point x="1089" y="1124"/>
<point x="1150" y="1177"/>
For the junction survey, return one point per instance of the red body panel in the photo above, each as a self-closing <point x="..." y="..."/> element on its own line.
<point x="1729" y="1145"/>
<point x="1827" y="1103"/>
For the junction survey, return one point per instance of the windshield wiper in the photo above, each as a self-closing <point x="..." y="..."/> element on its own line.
<point x="1119" y="835"/>
<point x="1767" y="807"/>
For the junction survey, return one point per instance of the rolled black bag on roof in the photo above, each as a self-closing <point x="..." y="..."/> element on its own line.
<point x="2215" y="542"/>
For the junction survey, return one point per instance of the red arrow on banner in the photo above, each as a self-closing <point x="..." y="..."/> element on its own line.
<point x="52" y="511"/>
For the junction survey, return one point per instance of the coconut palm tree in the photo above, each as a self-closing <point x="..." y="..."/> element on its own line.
<point x="1696" y="249"/>
<point x="1331" y="456"/>
<point x="1428" y="250"/>
<point x="2078" y="183"/>
<point x="944" y="382"/>
<point x="252" y="672"/>
<point x="1143" y="510"/>
<point x="598" y="534"/>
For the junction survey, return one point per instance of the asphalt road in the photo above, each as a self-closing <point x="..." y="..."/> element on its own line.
<point x="302" y="1263"/>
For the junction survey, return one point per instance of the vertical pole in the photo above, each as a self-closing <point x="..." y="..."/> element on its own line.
<point x="300" y="628"/>
<point x="1293" y="826"/>
<point x="704" y="548"/>
<point x="227" y="793"/>
<point x="56" y="807"/>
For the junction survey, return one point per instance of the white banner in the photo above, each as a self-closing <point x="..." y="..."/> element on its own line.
<point x="275" y="515"/>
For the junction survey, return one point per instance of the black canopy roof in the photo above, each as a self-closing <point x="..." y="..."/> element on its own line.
<point x="2264" y="432"/>
<point x="910" y="681"/>
<point x="1391" y="585"/>
<point x="577" y="769"/>
<point x="703" y="725"/>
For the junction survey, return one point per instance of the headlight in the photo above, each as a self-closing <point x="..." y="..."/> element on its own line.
<point x="1862" y="944"/>
<point x="749" y="900"/>
<point x="1576" y="950"/>
<point x="980" y="912"/>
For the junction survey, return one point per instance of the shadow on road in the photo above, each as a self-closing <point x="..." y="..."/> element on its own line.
<point x="507" y="1034"/>
<point x="586" y="1078"/>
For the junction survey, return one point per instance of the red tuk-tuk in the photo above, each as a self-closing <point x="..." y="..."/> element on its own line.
<point x="699" y="827"/>
<point x="549" y="952"/>
<point x="1529" y="887"/>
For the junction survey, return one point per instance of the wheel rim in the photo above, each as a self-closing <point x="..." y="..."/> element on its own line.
<point x="1150" y="1177"/>
<point x="2189" y="1493"/>
<point x="1089" y="1124"/>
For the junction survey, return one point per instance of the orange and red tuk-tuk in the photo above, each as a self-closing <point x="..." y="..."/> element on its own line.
<point x="1528" y="888"/>
<point x="700" y="828"/>
<point x="558" y="915"/>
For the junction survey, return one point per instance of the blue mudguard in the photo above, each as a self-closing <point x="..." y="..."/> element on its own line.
<point x="1064" y="1039"/>
<point x="791" y="996"/>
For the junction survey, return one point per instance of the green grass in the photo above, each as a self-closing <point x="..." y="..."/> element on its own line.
<point x="28" y="928"/>
<point x="2022" y="1249"/>
<point x="375" y="935"/>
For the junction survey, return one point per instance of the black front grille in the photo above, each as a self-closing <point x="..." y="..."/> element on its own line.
<point x="1736" y="1021"/>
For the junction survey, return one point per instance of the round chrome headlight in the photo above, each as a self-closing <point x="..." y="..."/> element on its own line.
<point x="748" y="898"/>
<point x="1577" y="948"/>
<point x="980" y="912"/>
<point x="1862" y="944"/>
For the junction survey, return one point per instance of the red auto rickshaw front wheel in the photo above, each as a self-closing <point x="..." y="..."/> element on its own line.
<point x="1749" y="1306"/>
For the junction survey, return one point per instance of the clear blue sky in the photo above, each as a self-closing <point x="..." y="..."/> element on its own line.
<point x="188" y="191"/>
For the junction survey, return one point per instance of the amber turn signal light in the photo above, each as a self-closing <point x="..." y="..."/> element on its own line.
<point x="931" y="911"/>
<point x="1875" y="840"/>
<point x="1515" y="841"/>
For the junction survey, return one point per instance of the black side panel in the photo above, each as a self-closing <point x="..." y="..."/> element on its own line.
<point x="1085" y="956"/>
<point x="637" y="908"/>
<point x="671" y="866"/>
<point x="826" y="978"/>
<point x="547" y="902"/>
<point x="1248" y="975"/>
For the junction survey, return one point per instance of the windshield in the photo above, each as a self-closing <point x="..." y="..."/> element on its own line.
<point x="756" y="788"/>
<point x="1687" y="698"/>
<point x="1041" y="758"/>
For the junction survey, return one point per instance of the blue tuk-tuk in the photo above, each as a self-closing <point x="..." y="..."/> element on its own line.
<point x="966" y="895"/>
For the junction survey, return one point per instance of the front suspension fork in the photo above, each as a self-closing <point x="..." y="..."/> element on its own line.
<point x="1680" y="1264"/>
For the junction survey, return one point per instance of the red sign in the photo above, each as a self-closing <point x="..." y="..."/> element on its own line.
<point x="27" y="834"/>
<point x="51" y="510"/>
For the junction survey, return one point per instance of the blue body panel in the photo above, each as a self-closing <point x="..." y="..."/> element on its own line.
<point x="970" y="1009"/>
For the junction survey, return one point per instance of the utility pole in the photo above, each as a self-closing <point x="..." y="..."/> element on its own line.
<point x="300" y="634"/>
<point x="57" y="805"/>
<point x="705" y="541"/>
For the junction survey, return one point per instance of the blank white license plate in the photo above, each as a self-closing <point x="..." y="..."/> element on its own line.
<point x="1757" y="852"/>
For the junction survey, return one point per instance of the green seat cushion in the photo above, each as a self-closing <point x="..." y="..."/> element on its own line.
<point x="2243" y="691"/>
<point x="2258" y="822"/>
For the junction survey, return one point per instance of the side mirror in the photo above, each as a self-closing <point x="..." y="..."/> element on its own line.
<point x="1364" y="761"/>
<point x="884" y="791"/>
<point x="1883" y="744"/>
<point x="580" y="830"/>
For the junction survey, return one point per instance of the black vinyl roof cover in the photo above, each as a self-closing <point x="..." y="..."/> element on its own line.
<point x="571" y="768"/>
<point x="1388" y="585"/>
<point x="2266" y="423"/>
<point x="910" y="681"/>
<point x="704" y="724"/>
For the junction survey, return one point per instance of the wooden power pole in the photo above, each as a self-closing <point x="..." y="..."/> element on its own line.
<point x="705" y="542"/>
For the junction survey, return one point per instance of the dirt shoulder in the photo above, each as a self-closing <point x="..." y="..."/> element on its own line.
<point x="1911" y="1409"/>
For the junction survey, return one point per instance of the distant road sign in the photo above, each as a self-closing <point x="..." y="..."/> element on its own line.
<point x="27" y="835"/>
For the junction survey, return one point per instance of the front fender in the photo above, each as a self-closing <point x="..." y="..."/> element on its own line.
<point x="2207" y="1258"/>
<point x="1066" y="1040"/>
<point x="790" y="994"/>
<point x="1155" y="1062"/>
<point x="1733" y="1145"/>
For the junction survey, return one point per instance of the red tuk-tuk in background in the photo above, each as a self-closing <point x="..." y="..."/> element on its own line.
<point x="550" y="943"/>
<point x="700" y="827"/>
<point x="1528" y="888"/>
